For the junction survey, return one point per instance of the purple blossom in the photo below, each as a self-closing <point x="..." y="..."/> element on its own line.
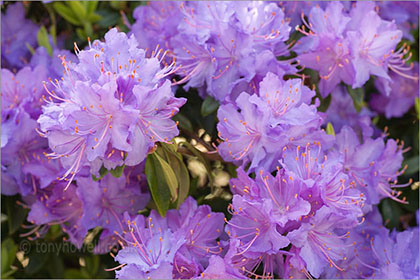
<point x="53" y="63"/>
<point x="105" y="201"/>
<point x="61" y="205"/>
<point x="22" y="91"/>
<point x="111" y="106"/>
<point x="329" y="50"/>
<point x="24" y="165"/>
<point x="373" y="165"/>
<point x="350" y="46"/>
<point x="156" y="23"/>
<point x="371" y="45"/>
<point x="200" y="226"/>
<point x="257" y="128"/>
<point x="340" y="113"/>
<point x="254" y="224"/>
<point x="319" y="244"/>
<point x="217" y="44"/>
<point x="16" y="32"/>
<point x="405" y="14"/>
<point x="150" y="248"/>
<point x="323" y="181"/>
<point x="396" y="96"/>
<point x="396" y="255"/>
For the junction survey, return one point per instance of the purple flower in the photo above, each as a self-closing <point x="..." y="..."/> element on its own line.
<point x="105" y="201"/>
<point x="111" y="106"/>
<point x="405" y="14"/>
<point x="150" y="248"/>
<point x="319" y="244"/>
<point x="329" y="51"/>
<point x="396" y="96"/>
<point x="156" y="23"/>
<point x="16" y="32"/>
<point x="372" y="42"/>
<point x="61" y="205"/>
<point x="373" y="165"/>
<point x="257" y="128"/>
<point x="255" y="226"/>
<point x="25" y="168"/>
<point x="341" y="112"/>
<point x="217" y="44"/>
<point x="324" y="182"/>
<point x="22" y="91"/>
<point x="199" y="226"/>
<point x="52" y="63"/>
<point x="349" y="46"/>
<point x="285" y="196"/>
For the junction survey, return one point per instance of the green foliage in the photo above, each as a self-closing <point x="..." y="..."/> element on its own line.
<point x="79" y="13"/>
<point x="43" y="40"/>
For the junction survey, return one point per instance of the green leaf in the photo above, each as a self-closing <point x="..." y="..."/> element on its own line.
<point x="330" y="129"/>
<point x="43" y="39"/>
<point x="358" y="96"/>
<point x="81" y="33"/>
<point x="16" y="214"/>
<point x="181" y="172"/>
<point x="412" y="165"/>
<point x="117" y="171"/>
<point x="416" y="105"/>
<point x="184" y="122"/>
<point x="391" y="213"/>
<point x="92" y="264"/>
<point x="201" y="158"/>
<point x="87" y="26"/>
<point x="158" y="184"/>
<point x="209" y="106"/>
<point x="102" y="172"/>
<point x="90" y="6"/>
<point x="94" y="18"/>
<point x="72" y="273"/>
<point x="78" y="9"/>
<point x="169" y="176"/>
<point x="30" y="48"/>
<point x="53" y="33"/>
<point x="56" y="267"/>
<point x="66" y="13"/>
<point x="8" y="255"/>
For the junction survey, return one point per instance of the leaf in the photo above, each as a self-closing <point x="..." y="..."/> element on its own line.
<point x="43" y="40"/>
<point x="201" y="158"/>
<point x="209" y="106"/>
<point x="94" y="18"/>
<point x="78" y="9"/>
<point x="391" y="213"/>
<point x="357" y="95"/>
<point x="16" y="214"/>
<point x="330" y="129"/>
<point x="158" y="184"/>
<point x="66" y="13"/>
<point x="102" y="172"/>
<point x="184" y="122"/>
<point x="416" y="105"/>
<point x="81" y="33"/>
<point x="90" y="6"/>
<point x="181" y="172"/>
<point x="53" y="33"/>
<point x="169" y="176"/>
<point x="30" y="48"/>
<point x="72" y="273"/>
<point x="8" y="255"/>
<point x="117" y="171"/>
<point x="412" y="165"/>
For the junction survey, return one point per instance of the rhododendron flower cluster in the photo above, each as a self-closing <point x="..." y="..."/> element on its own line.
<point x="293" y="167"/>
